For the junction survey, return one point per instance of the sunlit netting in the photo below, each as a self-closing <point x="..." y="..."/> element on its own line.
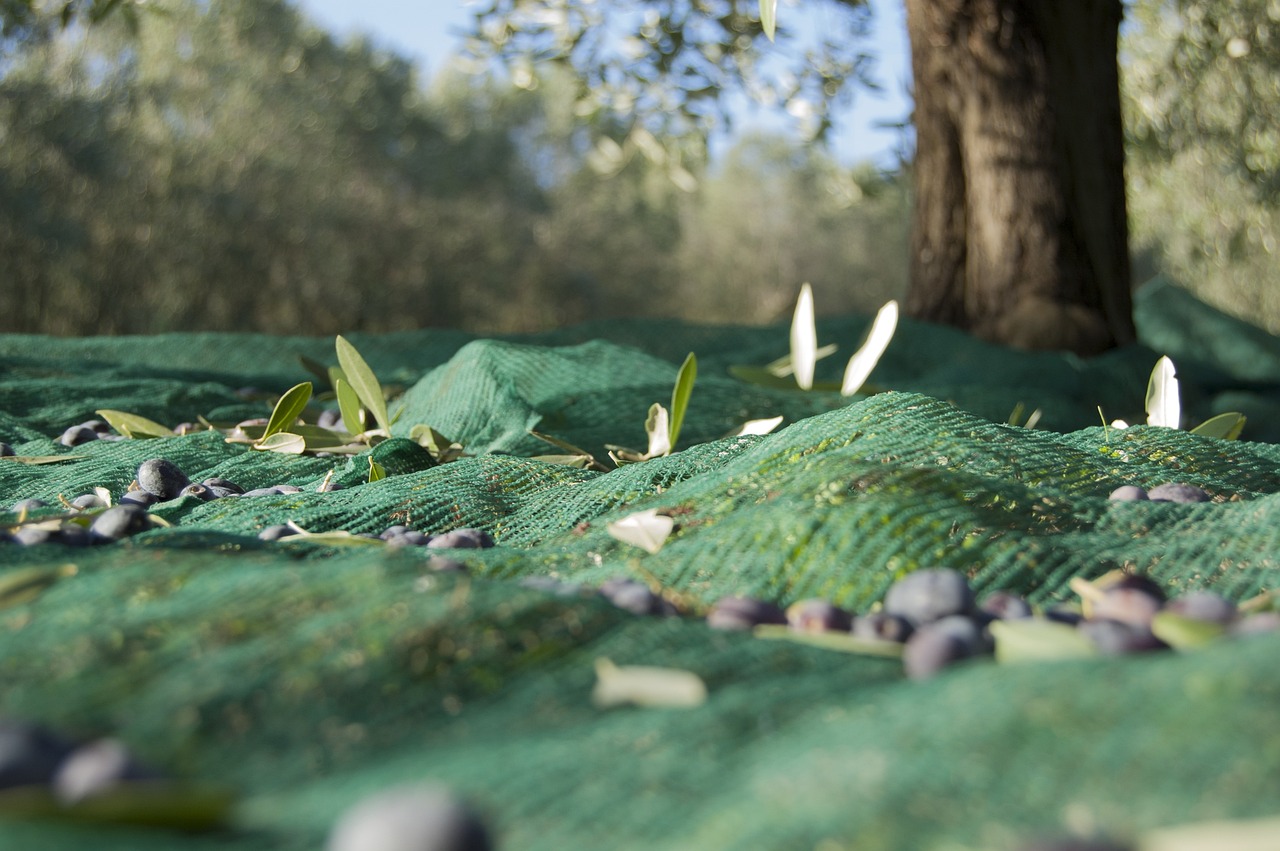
<point x="305" y="676"/>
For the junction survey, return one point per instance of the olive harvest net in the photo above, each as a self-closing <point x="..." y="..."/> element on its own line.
<point x="304" y="675"/>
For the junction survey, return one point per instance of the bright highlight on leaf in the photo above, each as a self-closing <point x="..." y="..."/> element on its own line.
<point x="658" y="427"/>
<point x="804" y="339"/>
<point x="643" y="685"/>
<point x="864" y="360"/>
<point x="769" y="17"/>
<point x="758" y="427"/>
<point x="1163" y="405"/>
<point x="647" y="530"/>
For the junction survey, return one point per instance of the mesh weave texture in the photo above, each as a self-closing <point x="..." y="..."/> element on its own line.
<point x="306" y="676"/>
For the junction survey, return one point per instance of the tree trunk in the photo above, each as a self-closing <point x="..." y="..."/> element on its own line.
<point x="1020" y="233"/>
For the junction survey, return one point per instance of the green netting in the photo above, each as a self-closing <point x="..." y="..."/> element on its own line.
<point x="306" y="676"/>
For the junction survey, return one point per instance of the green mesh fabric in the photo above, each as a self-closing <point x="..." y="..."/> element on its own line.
<point x="305" y="676"/>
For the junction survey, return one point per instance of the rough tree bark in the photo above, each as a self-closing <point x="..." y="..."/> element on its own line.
<point x="1020" y="233"/>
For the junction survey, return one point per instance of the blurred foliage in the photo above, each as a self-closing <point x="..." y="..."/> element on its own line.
<point x="229" y="166"/>
<point x="1202" y="101"/>
<point x="667" y="64"/>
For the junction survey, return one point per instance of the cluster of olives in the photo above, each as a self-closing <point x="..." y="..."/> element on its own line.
<point x="111" y="525"/>
<point x="31" y="755"/>
<point x="935" y="616"/>
<point x="160" y="480"/>
<point x="1168" y="492"/>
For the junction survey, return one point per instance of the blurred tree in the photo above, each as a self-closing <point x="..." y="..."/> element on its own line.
<point x="1019" y="230"/>
<point x="1202" y="107"/>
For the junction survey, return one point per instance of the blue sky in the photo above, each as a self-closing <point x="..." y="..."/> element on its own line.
<point x="426" y="32"/>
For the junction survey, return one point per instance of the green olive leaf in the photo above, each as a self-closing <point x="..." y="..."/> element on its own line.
<point x="1224" y="426"/>
<point x="35" y="460"/>
<point x="680" y="397"/>
<point x="377" y="472"/>
<point x="363" y="381"/>
<point x="349" y="406"/>
<point x="288" y="408"/>
<point x="134" y="426"/>
<point x="840" y="641"/>
<point x="1183" y="633"/>
<point x="762" y="377"/>
<point x="149" y="803"/>
<point x="1039" y="639"/>
<point x="582" y="462"/>
<point x="283" y="442"/>
<point x="25" y="584"/>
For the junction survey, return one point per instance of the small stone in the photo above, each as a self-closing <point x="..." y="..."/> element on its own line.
<point x="28" y="505"/>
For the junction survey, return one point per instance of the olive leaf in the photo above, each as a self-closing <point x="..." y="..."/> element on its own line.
<point x="804" y="339"/>
<point x="680" y="394"/>
<point x="441" y="448"/>
<point x="36" y="460"/>
<point x="758" y="427"/>
<point x="644" y="685"/>
<point x="289" y="407"/>
<point x="377" y="472"/>
<point x="647" y="530"/>
<point x="1183" y="633"/>
<point x="363" y="381"/>
<point x="1163" y="405"/>
<point x="1224" y="426"/>
<point x="1039" y="639"/>
<point x="25" y="584"/>
<point x="782" y="367"/>
<point x="134" y="426"/>
<point x="151" y="803"/>
<point x="765" y="377"/>
<point x="864" y="360"/>
<point x="349" y="406"/>
<point x="657" y="426"/>
<point x="570" y="451"/>
<point x="840" y="641"/>
<point x="283" y="442"/>
<point x="769" y="17"/>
